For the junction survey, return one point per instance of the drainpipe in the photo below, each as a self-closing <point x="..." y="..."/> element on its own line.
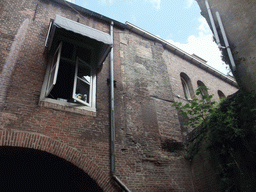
<point x="213" y="24"/>
<point x="112" y="115"/>
<point x="232" y="62"/>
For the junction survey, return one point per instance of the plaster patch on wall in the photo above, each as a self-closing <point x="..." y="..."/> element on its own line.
<point x="144" y="52"/>
<point x="122" y="54"/>
<point x="123" y="39"/>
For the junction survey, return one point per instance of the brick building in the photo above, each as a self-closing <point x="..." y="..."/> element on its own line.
<point x="88" y="117"/>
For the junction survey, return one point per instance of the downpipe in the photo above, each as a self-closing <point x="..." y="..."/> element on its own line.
<point x="112" y="114"/>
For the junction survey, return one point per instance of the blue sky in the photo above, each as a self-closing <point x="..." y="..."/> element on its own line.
<point x="176" y="21"/>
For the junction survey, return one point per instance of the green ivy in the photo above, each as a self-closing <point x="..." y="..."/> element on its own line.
<point x="228" y="132"/>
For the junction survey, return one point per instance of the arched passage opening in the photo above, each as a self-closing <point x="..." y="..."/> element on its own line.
<point x="29" y="169"/>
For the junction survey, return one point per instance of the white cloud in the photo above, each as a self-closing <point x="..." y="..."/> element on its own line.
<point x="203" y="27"/>
<point x="105" y="2"/>
<point x="204" y="47"/>
<point x="189" y="3"/>
<point x="155" y="3"/>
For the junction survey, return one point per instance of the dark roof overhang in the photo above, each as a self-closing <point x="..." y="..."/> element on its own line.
<point x="100" y="41"/>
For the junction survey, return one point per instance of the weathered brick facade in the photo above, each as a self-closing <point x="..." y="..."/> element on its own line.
<point x="147" y="76"/>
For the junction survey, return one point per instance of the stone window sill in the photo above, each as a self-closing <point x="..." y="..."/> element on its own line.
<point x="69" y="107"/>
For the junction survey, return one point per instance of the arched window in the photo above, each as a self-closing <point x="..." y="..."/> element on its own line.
<point x="203" y="90"/>
<point x="221" y="94"/>
<point x="187" y="87"/>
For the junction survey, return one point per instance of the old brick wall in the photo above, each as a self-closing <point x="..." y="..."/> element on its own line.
<point x="141" y="164"/>
<point x="23" y="65"/>
<point x="147" y="82"/>
<point x="149" y="119"/>
<point x="202" y="173"/>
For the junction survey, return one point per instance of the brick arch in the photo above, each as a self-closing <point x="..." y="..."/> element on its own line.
<point x="15" y="138"/>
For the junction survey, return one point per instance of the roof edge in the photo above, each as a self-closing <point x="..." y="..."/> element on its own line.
<point x="182" y="53"/>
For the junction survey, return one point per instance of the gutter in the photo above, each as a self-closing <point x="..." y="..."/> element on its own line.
<point x="112" y="115"/>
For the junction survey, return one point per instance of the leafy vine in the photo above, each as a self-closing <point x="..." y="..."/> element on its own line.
<point x="228" y="132"/>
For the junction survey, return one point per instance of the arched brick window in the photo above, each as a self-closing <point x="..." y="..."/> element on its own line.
<point x="204" y="90"/>
<point x="187" y="87"/>
<point x="221" y="94"/>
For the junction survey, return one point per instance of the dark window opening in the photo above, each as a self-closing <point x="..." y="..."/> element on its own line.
<point x="74" y="47"/>
<point x="64" y="85"/>
<point x="221" y="94"/>
<point x="67" y="50"/>
<point x="84" y="54"/>
<point x="70" y="79"/>
<point x="203" y="88"/>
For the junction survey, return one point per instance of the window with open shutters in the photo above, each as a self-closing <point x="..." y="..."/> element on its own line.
<point x="72" y="80"/>
<point x="76" y="52"/>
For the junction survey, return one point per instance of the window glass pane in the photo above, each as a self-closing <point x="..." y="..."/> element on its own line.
<point x="54" y="63"/>
<point x="55" y="59"/>
<point x="83" y="83"/>
<point x="51" y="77"/>
<point x="84" y="72"/>
<point x="54" y="70"/>
<point x="186" y="89"/>
<point x="82" y="90"/>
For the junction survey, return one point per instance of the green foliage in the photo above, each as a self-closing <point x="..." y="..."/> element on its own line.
<point x="197" y="110"/>
<point x="231" y="135"/>
<point x="228" y="133"/>
<point x="197" y="113"/>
